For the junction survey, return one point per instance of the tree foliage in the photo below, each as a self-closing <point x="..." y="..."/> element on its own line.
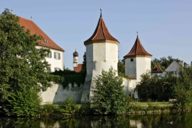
<point x="183" y="88"/>
<point x="121" y="68"/>
<point x="164" y="62"/>
<point x="23" y="69"/>
<point x="156" y="88"/>
<point x="108" y="95"/>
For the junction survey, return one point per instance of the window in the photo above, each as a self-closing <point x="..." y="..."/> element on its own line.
<point x="49" y="55"/>
<point x="131" y="59"/>
<point x="57" y="55"/>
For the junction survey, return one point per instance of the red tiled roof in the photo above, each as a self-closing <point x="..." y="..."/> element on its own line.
<point x="34" y="29"/>
<point x="78" y="68"/>
<point x="137" y="50"/>
<point x="157" y="69"/>
<point x="101" y="34"/>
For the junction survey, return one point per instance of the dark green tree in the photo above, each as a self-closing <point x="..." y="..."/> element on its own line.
<point x="183" y="88"/>
<point x="164" y="62"/>
<point x="23" y="69"/>
<point x="109" y="97"/>
<point x="156" y="88"/>
<point x="121" y="68"/>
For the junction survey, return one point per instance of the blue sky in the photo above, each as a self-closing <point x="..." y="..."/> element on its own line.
<point x="164" y="26"/>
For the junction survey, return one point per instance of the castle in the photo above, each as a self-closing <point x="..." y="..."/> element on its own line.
<point x="101" y="54"/>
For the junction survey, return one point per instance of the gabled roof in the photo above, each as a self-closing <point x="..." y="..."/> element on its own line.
<point x="173" y="67"/>
<point x="34" y="29"/>
<point x="100" y="34"/>
<point x="137" y="50"/>
<point x="157" y="69"/>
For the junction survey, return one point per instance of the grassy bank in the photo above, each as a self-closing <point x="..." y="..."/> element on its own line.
<point x="69" y="109"/>
<point x="143" y="108"/>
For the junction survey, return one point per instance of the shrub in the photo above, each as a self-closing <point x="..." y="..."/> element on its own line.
<point x="109" y="97"/>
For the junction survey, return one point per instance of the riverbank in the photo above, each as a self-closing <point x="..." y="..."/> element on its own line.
<point x="134" y="108"/>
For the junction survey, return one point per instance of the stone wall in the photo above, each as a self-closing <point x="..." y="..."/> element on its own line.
<point x="57" y="94"/>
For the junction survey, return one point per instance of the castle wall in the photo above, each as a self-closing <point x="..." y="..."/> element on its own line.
<point x="57" y="94"/>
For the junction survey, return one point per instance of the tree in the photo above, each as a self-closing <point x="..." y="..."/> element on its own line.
<point x="183" y="88"/>
<point x="121" y="68"/>
<point x="156" y="88"/>
<point x="23" y="69"/>
<point x="108" y="95"/>
<point x="164" y="62"/>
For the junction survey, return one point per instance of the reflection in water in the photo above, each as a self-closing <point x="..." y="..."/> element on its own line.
<point x="150" y="121"/>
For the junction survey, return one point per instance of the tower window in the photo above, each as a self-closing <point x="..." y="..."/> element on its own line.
<point x="131" y="59"/>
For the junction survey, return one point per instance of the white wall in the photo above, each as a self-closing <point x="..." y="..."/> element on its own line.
<point x="139" y="66"/>
<point x="99" y="56"/>
<point x="57" y="94"/>
<point x="143" y="66"/>
<point x="55" y="63"/>
<point x="130" y="67"/>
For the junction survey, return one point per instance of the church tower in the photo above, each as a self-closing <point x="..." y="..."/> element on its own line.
<point x="101" y="54"/>
<point x="137" y="61"/>
<point x="75" y="59"/>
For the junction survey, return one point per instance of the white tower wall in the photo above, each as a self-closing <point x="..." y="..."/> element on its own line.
<point x="135" y="67"/>
<point x="99" y="56"/>
<point x="143" y="66"/>
<point x="75" y="61"/>
<point x="130" y="67"/>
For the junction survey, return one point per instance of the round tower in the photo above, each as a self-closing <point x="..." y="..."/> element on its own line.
<point x="137" y="61"/>
<point x="101" y="54"/>
<point x="75" y="58"/>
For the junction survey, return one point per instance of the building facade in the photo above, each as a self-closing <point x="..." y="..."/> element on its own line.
<point x="55" y="57"/>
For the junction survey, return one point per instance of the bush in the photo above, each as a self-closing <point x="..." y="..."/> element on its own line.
<point x="69" y="106"/>
<point x="109" y="97"/>
<point x="156" y="88"/>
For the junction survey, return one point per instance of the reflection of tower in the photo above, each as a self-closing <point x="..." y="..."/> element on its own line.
<point x="75" y="59"/>
<point x="101" y="54"/>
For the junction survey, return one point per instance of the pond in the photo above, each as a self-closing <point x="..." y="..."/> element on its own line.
<point x="150" y="121"/>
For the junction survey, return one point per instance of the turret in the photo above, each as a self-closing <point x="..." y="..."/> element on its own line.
<point x="137" y="61"/>
<point x="101" y="54"/>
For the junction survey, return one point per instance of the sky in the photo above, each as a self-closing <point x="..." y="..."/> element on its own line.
<point x="164" y="26"/>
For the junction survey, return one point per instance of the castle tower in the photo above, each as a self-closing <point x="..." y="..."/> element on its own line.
<point x="101" y="54"/>
<point x="75" y="59"/>
<point x="137" y="61"/>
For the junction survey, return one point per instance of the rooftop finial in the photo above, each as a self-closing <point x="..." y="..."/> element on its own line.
<point x="100" y="12"/>
<point x="137" y="33"/>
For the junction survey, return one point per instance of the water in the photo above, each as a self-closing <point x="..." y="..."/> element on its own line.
<point x="150" y="121"/>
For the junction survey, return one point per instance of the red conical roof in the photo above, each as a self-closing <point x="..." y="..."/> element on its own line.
<point x="101" y="34"/>
<point x="137" y="50"/>
<point x="46" y="41"/>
